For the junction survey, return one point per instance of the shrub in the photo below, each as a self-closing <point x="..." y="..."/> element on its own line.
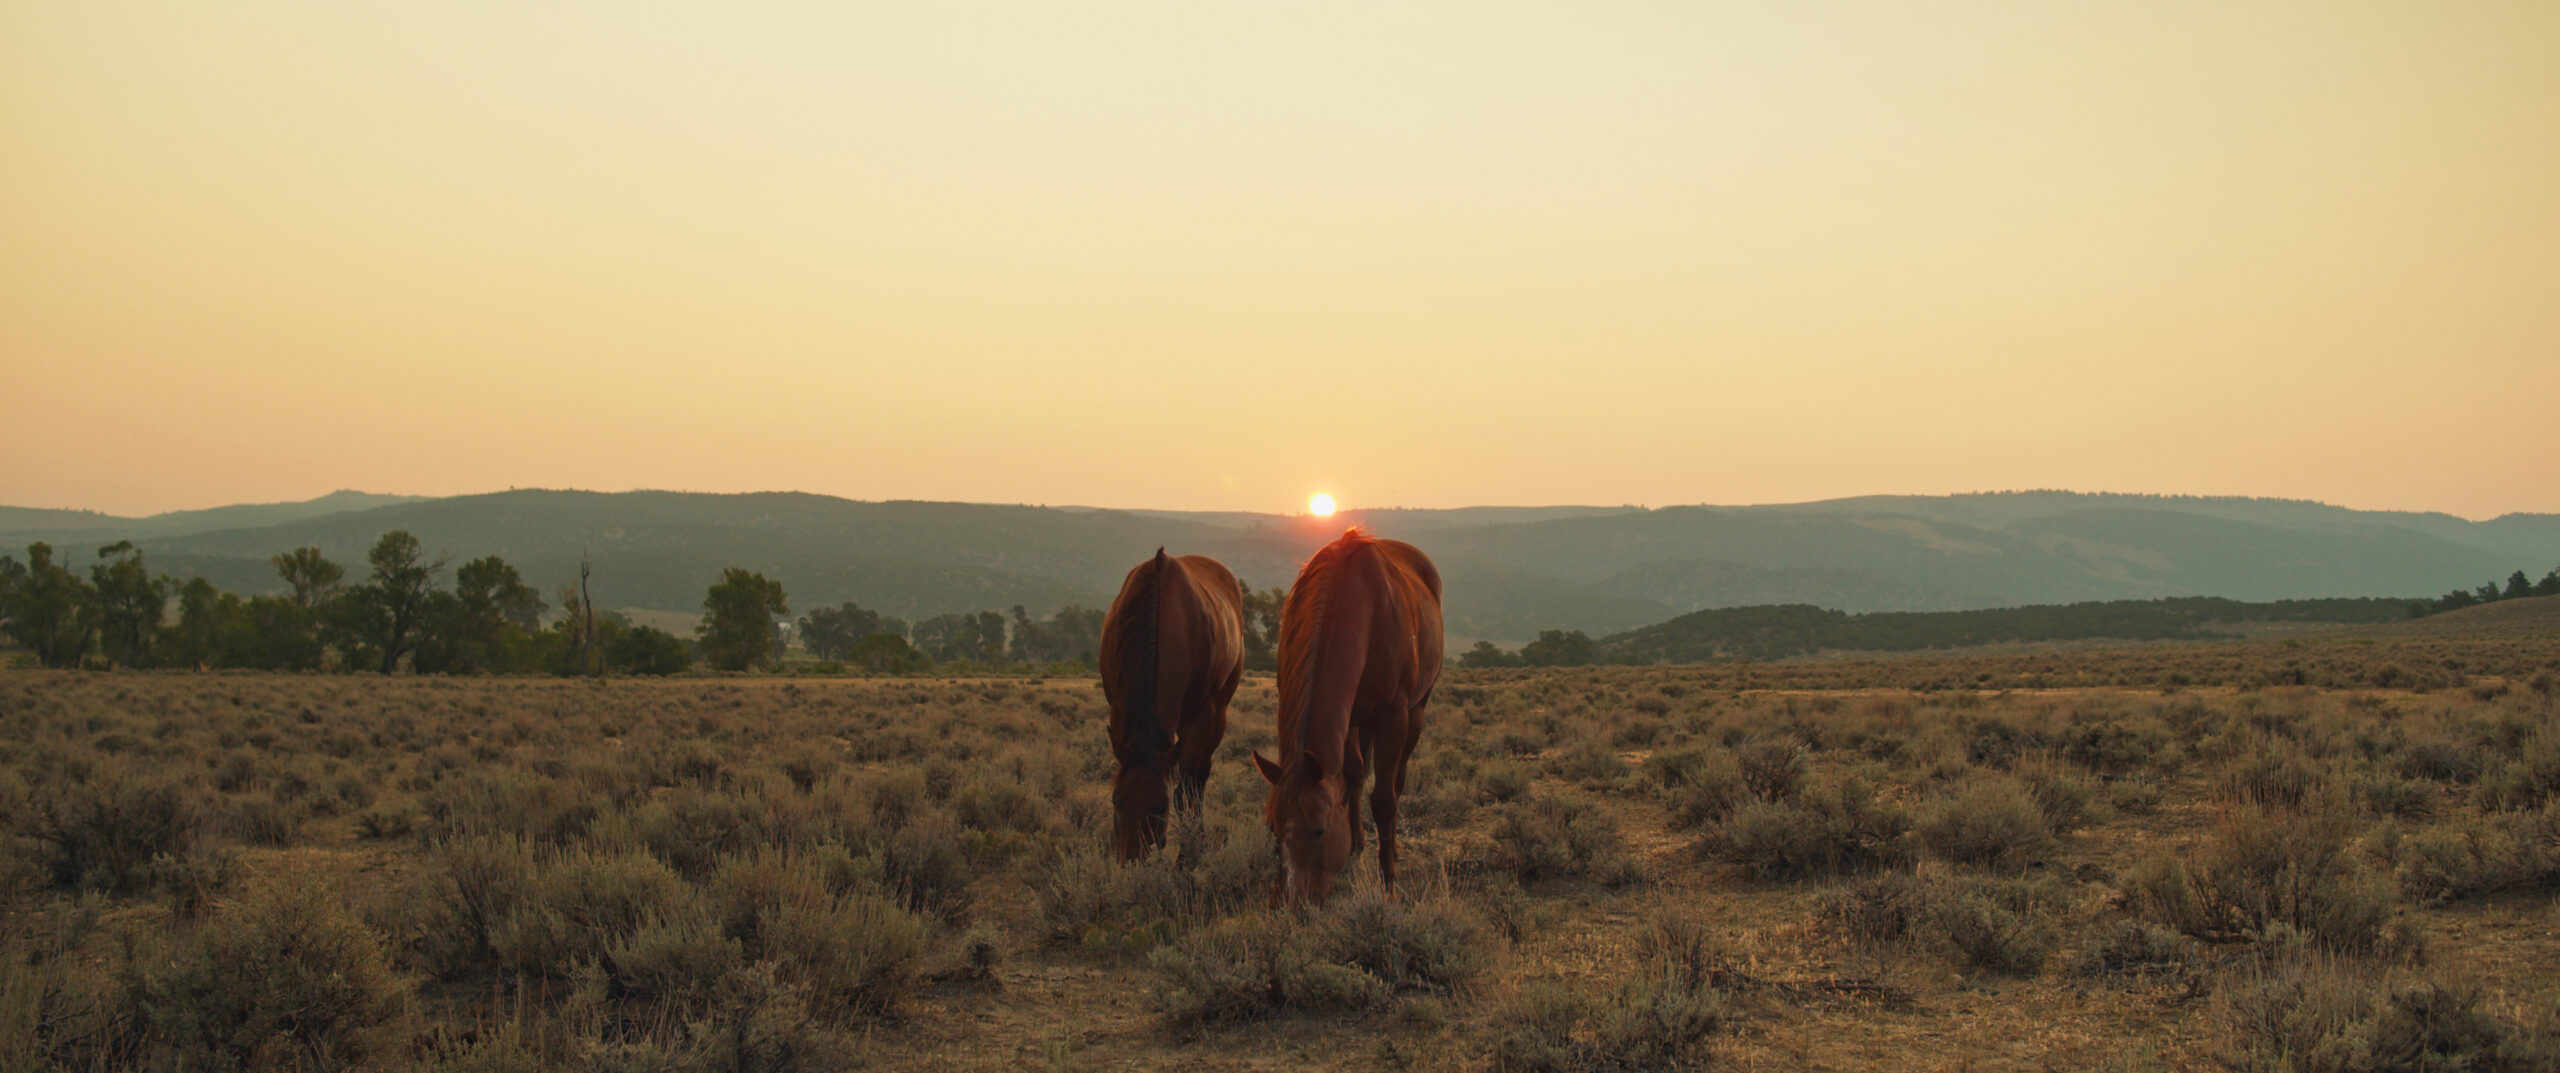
<point x="1994" y="928"/>
<point x="1699" y="786"/>
<point x="291" y="974"/>
<point x="1561" y="837"/>
<point x="2483" y="855"/>
<point x="1430" y="943"/>
<point x="2390" y="796"/>
<point x="2136" y="946"/>
<point x="104" y="833"/>
<point x="2441" y="761"/>
<point x="2267" y="866"/>
<point x="1251" y="968"/>
<point x="1500" y="782"/>
<point x="475" y="885"/>
<point x="1838" y="826"/>
<point x="1772" y="768"/>
<point x="2528" y="779"/>
<point x="1589" y="761"/>
<point x="2302" y="1010"/>
<point x="1990" y="821"/>
<point x="1661" y="1017"/>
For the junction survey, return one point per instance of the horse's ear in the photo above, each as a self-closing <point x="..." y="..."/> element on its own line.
<point x="1270" y="771"/>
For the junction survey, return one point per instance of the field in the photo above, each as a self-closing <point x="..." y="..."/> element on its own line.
<point x="2332" y="854"/>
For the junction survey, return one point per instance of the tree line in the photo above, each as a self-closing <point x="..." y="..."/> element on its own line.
<point x="120" y="614"/>
<point x="2489" y="592"/>
<point x="1777" y="631"/>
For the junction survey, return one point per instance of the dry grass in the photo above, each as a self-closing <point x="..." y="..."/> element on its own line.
<point x="1607" y="868"/>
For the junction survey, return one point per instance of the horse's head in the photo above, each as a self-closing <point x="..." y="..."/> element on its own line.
<point x="1139" y="803"/>
<point x="1310" y="828"/>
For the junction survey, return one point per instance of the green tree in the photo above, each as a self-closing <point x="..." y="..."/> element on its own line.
<point x="210" y="623"/>
<point x="484" y="625"/>
<point x="739" y="615"/>
<point x="976" y="638"/>
<point x="51" y="611"/>
<point x="832" y="632"/>
<point x="1484" y="654"/>
<point x="131" y="603"/>
<point x="1261" y="614"/>
<point x="1558" y="648"/>
<point x="887" y="653"/>
<point x="313" y="577"/>
<point x="1072" y="635"/>
<point x="378" y="622"/>
<point x="648" y="650"/>
<point x="2518" y="585"/>
<point x="2549" y="585"/>
<point x="278" y="634"/>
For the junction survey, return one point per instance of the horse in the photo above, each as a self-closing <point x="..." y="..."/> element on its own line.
<point x="1360" y="650"/>
<point x="1172" y="653"/>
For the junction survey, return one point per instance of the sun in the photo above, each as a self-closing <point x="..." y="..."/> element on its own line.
<point x="1320" y="505"/>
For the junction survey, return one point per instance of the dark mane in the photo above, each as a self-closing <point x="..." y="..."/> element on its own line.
<point x="1302" y="631"/>
<point x="1135" y="633"/>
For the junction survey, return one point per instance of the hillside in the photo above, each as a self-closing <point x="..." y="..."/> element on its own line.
<point x="2532" y="616"/>
<point x="1776" y="632"/>
<point x="72" y="528"/>
<point x="1510" y="572"/>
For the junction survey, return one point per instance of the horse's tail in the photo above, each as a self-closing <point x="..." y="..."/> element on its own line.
<point x="1140" y="643"/>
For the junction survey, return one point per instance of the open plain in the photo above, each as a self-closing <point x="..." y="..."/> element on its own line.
<point x="2334" y="854"/>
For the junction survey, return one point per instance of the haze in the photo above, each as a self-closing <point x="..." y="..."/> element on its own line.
<point x="1221" y="256"/>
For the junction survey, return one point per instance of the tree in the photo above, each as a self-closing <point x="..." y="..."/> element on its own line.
<point x="278" y="634"/>
<point x="1557" y="648"/>
<point x="51" y="611"/>
<point x="648" y="650"/>
<point x="12" y="574"/>
<point x="314" y="578"/>
<point x="380" y="620"/>
<point x="738" y="621"/>
<point x="1072" y="635"/>
<point x="887" y="653"/>
<point x="1484" y="654"/>
<point x="209" y="625"/>
<point x="1262" y="628"/>
<point x="2518" y="585"/>
<point x="2549" y="585"/>
<point x="131" y="603"/>
<point x="977" y="638"/>
<point x="484" y="624"/>
<point x="832" y="632"/>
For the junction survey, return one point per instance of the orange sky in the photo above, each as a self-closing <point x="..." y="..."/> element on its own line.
<point x="1221" y="255"/>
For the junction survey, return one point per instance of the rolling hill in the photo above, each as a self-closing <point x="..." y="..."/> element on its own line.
<point x="1510" y="572"/>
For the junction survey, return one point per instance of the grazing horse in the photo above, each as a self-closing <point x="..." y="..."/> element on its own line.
<point x="1172" y="652"/>
<point x="1359" y="652"/>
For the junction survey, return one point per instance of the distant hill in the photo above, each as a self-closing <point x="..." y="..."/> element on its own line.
<point x="1510" y="572"/>
<point x="1776" y="632"/>
<point x="20" y="526"/>
<point x="2529" y="616"/>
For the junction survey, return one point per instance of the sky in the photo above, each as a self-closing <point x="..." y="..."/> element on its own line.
<point x="1212" y="255"/>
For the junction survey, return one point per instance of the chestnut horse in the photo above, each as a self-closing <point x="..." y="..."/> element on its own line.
<point x="1172" y="652"/>
<point x="1359" y="652"/>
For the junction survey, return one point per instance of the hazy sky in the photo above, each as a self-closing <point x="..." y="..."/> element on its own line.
<point x="1222" y="255"/>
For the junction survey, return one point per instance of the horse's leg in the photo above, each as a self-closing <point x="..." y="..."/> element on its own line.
<point x="1199" y="746"/>
<point x="1382" y="807"/>
<point x="1382" y="798"/>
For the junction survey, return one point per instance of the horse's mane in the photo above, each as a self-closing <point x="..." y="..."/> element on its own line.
<point x="1302" y="628"/>
<point x="1135" y="634"/>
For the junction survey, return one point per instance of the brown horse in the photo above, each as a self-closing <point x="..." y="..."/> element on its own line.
<point x="1172" y="652"/>
<point x="1359" y="653"/>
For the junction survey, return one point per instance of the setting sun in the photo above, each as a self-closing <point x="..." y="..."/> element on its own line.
<point x="1320" y="505"/>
